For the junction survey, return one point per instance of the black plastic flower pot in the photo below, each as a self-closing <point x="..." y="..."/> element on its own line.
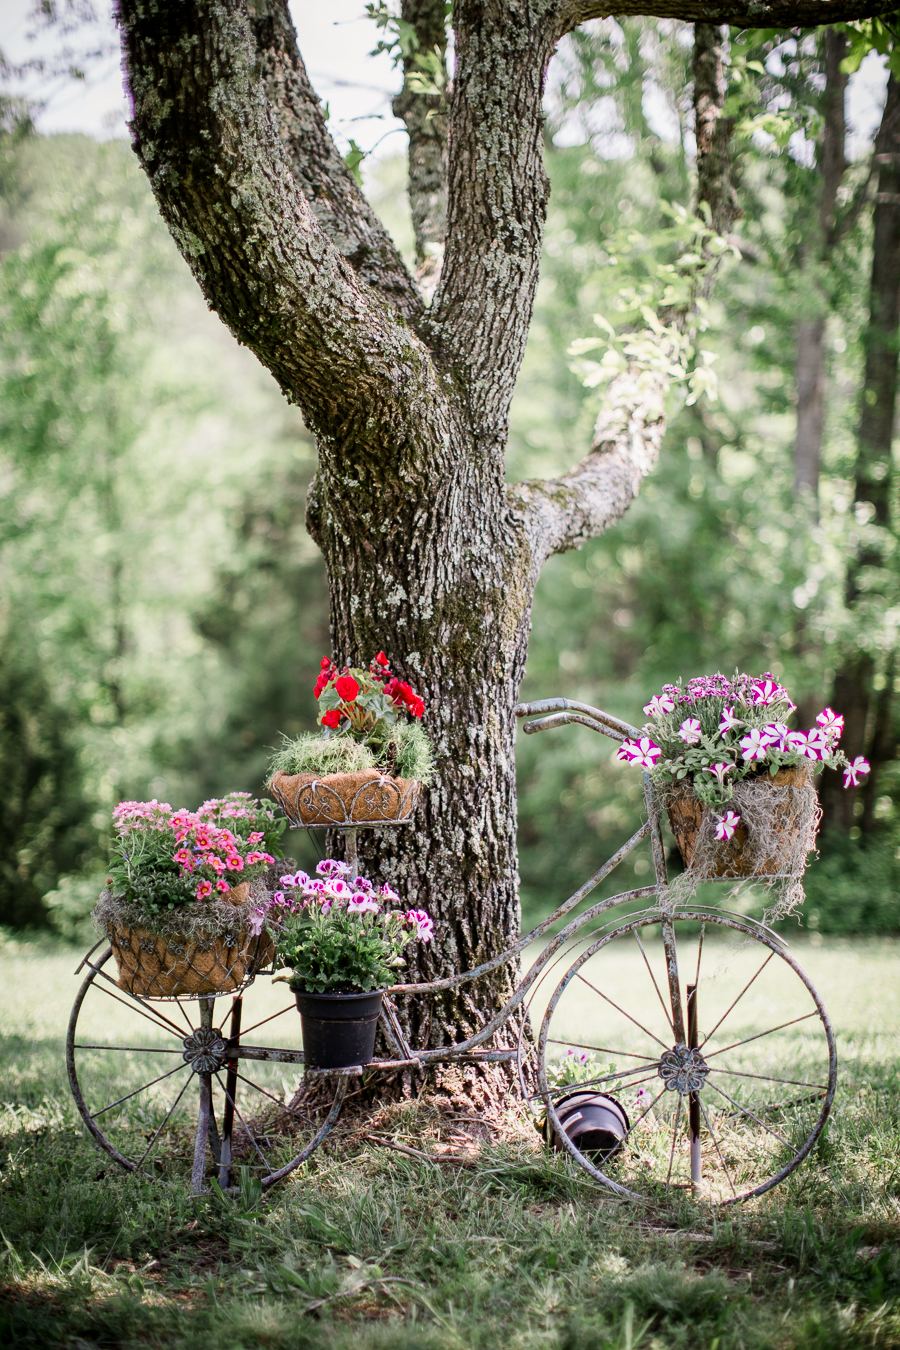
<point x="338" y="1029"/>
<point x="595" y="1123"/>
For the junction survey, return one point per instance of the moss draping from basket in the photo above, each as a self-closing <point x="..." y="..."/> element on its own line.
<point x="781" y="820"/>
<point x="205" y="923"/>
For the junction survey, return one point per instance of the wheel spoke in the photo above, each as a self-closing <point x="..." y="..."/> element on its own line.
<point x="646" y="1112"/>
<point x="129" y="1095"/>
<point x="593" y="1082"/>
<point x="622" y="1011"/>
<point x="250" y="1135"/>
<point x="135" y="998"/>
<point x="159" y="1128"/>
<point x="291" y="1007"/>
<point x="167" y="1026"/>
<point x="699" y="954"/>
<point x="674" y="1140"/>
<point x="132" y="1049"/>
<point x="771" y="1031"/>
<point x="601" y="1049"/>
<point x="744" y="1111"/>
<point x="737" y="1000"/>
<point x="259" y="1088"/>
<point x="637" y="939"/>
<point x="769" y="1078"/>
<point x="712" y="1135"/>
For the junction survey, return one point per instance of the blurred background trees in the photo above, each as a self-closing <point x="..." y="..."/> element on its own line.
<point x="162" y="610"/>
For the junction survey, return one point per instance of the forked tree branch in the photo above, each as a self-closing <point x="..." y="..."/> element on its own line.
<point x="330" y="188"/>
<point x="206" y="136"/>
<point x="751" y="14"/>
<point x="563" y="513"/>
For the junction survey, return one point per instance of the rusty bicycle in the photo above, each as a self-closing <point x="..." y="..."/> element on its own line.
<point x="695" y="1025"/>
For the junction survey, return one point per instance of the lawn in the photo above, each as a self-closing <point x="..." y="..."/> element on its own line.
<point x="367" y="1246"/>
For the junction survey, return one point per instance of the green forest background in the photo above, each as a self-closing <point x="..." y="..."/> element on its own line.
<point x="163" y="611"/>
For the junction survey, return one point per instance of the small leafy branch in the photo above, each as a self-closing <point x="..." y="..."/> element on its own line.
<point x="653" y="337"/>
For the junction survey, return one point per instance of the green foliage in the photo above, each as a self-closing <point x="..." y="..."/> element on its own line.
<point x="518" y="1249"/>
<point x="334" y="951"/>
<point x="855" y="886"/>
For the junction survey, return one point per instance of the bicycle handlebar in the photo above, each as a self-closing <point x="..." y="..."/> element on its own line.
<point x="564" y="710"/>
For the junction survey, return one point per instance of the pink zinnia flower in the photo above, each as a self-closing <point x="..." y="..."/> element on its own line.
<point x="690" y="732"/>
<point x="853" y="771"/>
<point x="727" y="825"/>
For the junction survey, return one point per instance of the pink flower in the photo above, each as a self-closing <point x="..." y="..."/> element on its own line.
<point x="216" y="863"/>
<point x="776" y="734"/>
<point x="799" y="742"/>
<point x="388" y="894"/>
<point x="753" y="746"/>
<point x="333" y="867"/>
<point x="255" y="838"/>
<point x="658" y="705"/>
<point x="720" y="771"/>
<point x="252" y="858"/>
<point x="727" y="825"/>
<point x="183" y="856"/>
<point x="643" y="752"/>
<point x="818" y="745"/>
<point x="360" y="903"/>
<point x="204" y="888"/>
<point x="234" y="862"/>
<point x="853" y="771"/>
<point x="764" y="692"/>
<point x="424" y="923"/>
<point x="831" y="724"/>
<point x="690" y="732"/>
<point x="223" y="887"/>
<point x="728" y="721"/>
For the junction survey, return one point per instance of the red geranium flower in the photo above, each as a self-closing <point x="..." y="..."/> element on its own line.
<point x="331" y="718"/>
<point x="381" y="659"/>
<point x="347" y="688"/>
<point x="326" y="662"/>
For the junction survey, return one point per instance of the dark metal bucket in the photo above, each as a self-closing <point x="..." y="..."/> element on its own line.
<point x="338" y="1029"/>
<point x="595" y="1123"/>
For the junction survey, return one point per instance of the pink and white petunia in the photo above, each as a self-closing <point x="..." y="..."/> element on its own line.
<point x="818" y="745"/>
<point x="776" y="734"/>
<point x="800" y="743"/>
<point x="754" y="745"/>
<point x="643" y="753"/>
<point x="832" y="724"/>
<point x="627" y="752"/>
<point x="719" y="770"/>
<point x="690" y="731"/>
<point x="659" y="705"/>
<point x="727" y="824"/>
<point x="764" y="692"/>
<point x="728" y="721"/>
<point x="853" y="771"/>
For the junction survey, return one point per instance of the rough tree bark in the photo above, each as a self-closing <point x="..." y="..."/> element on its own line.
<point x="853" y="683"/>
<point x="429" y="555"/>
<point x="810" y="332"/>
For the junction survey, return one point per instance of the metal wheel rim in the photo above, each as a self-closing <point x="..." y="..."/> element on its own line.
<point x="128" y="1164"/>
<point x="756" y="933"/>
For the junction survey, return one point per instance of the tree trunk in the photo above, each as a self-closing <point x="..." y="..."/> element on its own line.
<point x="853" y="688"/>
<point x="810" y="333"/>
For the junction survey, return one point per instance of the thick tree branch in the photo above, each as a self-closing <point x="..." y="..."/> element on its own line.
<point x="423" y="104"/>
<point x="751" y="14"/>
<point x="712" y="129"/>
<point x="206" y="136"/>
<point x="328" y="185"/>
<point x="563" y="513"/>
<point x="497" y="202"/>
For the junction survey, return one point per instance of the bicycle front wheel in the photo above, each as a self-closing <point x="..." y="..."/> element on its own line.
<point x="711" y="1041"/>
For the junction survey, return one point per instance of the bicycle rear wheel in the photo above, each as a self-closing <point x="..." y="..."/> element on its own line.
<point x="708" y="1034"/>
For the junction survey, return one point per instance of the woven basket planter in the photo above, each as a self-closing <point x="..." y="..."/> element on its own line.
<point x="155" y="965"/>
<point x="777" y="829"/>
<point x="363" y="798"/>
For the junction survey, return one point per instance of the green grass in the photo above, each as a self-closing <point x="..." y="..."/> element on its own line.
<point x="371" y="1248"/>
